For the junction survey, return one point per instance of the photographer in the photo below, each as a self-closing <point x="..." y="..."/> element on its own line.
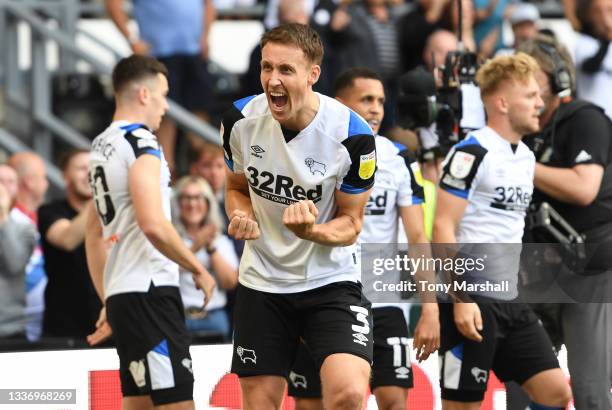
<point x="440" y="101"/>
<point x="572" y="176"/>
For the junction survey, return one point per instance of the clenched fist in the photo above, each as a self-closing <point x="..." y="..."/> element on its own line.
<point x="300" y="217"/>
<point x="242" y="226"/>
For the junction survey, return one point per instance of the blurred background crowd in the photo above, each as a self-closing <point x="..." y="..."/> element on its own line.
<point x="54" y="101"/>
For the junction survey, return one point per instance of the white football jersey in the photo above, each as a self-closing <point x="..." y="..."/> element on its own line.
<point x="133" y="263"/>
<point x="496" y="178"/>
<point x="395" y="186"/>
<point x="335" y="151"/>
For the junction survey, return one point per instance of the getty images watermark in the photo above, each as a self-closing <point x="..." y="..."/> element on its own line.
<point x="533" y="273"/>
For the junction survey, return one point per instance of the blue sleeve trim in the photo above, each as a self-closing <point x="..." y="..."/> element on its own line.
<point x="470" y="140"/>
<point x="358" y="126"/>
<point x="352" y="190"/>
<point x="229" y="163"/>
<point x="399" y="146"/>
<point x="131" y="127"/>
<point x="417" y="201"/>
<point x="241" y="103"/>
<point x="457" y="192"/>
<point x="154" y="152"/>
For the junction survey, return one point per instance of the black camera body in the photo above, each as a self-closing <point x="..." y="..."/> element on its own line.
<point x="421" y="103"/>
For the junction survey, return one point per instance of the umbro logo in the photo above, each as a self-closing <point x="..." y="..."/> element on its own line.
<point x="256" y="151"/>
<point x="583" y="156"/>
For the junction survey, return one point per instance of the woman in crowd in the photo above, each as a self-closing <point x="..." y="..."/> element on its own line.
<point x="199" y="223"/>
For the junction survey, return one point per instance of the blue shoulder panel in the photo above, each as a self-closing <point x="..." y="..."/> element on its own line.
<point x="241" y="103"/>
<point x="357" y="126"/>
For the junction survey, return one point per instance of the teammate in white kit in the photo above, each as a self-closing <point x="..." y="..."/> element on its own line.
<point x="396" y="194"/>
<point x="485" y="189"/>
<point x="301" y="166"/>
<point x="133" y="249"/>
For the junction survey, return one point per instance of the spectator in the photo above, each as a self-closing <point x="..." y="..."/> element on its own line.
<point x="8" y="178"/>
<point x="198" y="225"/>
<point x="439" y="44"/>
<point x="488" y="27"/>
<point x="32" y="185"/>
<point x="176" y="33"/>
<point x="71" y="303"/>
<point x="417" y="26"/>
<point x="592" y="54"/>
<point x="17" y="241"/>
<point x="524" y="19"/>
<point x="209" y="164"/>
<point x="368" y="38"/>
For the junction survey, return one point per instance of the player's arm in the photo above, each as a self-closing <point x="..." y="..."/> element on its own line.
<point x="449" y="211"/>
<point x="345" y="227"/>
<point x="427" y="331"/>
<point x="144" y="182"/>
<point x="238" y="207"/>
<point x="95" y="249"/>
<point x="68" y="234"/>
<point x="352" y="193"/>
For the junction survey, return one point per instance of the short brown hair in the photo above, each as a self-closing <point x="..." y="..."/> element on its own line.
<point x="299" y="35"/>
<point x="134" y="68"/>
<point x="208" y="148"/>
<point x="519" y="67"/>
<point x="66" y="157"/>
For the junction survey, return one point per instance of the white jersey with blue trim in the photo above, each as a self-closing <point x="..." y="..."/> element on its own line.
<point x="497" y="181"/>
<point x="395" y="187"/>
<point x="335" y="151"/>
<point x="133" y="263"/>
<point x="496" y="178"/>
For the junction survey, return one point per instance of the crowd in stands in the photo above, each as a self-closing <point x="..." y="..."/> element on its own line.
<point x="45" y="288"/>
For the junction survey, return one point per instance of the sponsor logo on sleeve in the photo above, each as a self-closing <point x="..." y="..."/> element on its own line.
<point x="367" y="165"/>
<point x="462" y="164"/>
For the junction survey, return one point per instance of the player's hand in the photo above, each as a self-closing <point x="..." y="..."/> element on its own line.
<point x="103" y="330"/>
<point x="427" y="333"/>
<point x="300" y="217"/>
<point x="468" y="320"/>
<point x="204" y="280"/>
<point x="140" y="47"/>
<point x="242" y="226"/>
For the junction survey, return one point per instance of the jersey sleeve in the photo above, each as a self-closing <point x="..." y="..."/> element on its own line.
<point x="142" y="141"/>
<point x="410" y="190"/>
<point x="229" y="134"/>
<point x="460" y="169"/>
<point x="588" y="139"/>
<point x="361" y="148"/>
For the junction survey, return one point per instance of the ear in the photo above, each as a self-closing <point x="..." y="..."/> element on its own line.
<point x="144" y="95"/>
<point x="501" y="104"/>
<point x="315" y="73"/>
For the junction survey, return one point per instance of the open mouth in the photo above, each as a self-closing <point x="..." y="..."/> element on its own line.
<point x="373" y="123"/>
<point x="279" y="100"/>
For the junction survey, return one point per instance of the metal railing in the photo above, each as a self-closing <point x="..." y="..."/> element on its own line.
<point x="29" y="92"/>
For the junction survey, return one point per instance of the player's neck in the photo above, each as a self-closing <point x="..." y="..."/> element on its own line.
<point x="306" y="115"/>
<point x="504" y="129"/>
<point x="129" y="115"/>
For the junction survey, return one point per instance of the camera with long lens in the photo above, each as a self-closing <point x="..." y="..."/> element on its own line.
<point x="421" y="103"/>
